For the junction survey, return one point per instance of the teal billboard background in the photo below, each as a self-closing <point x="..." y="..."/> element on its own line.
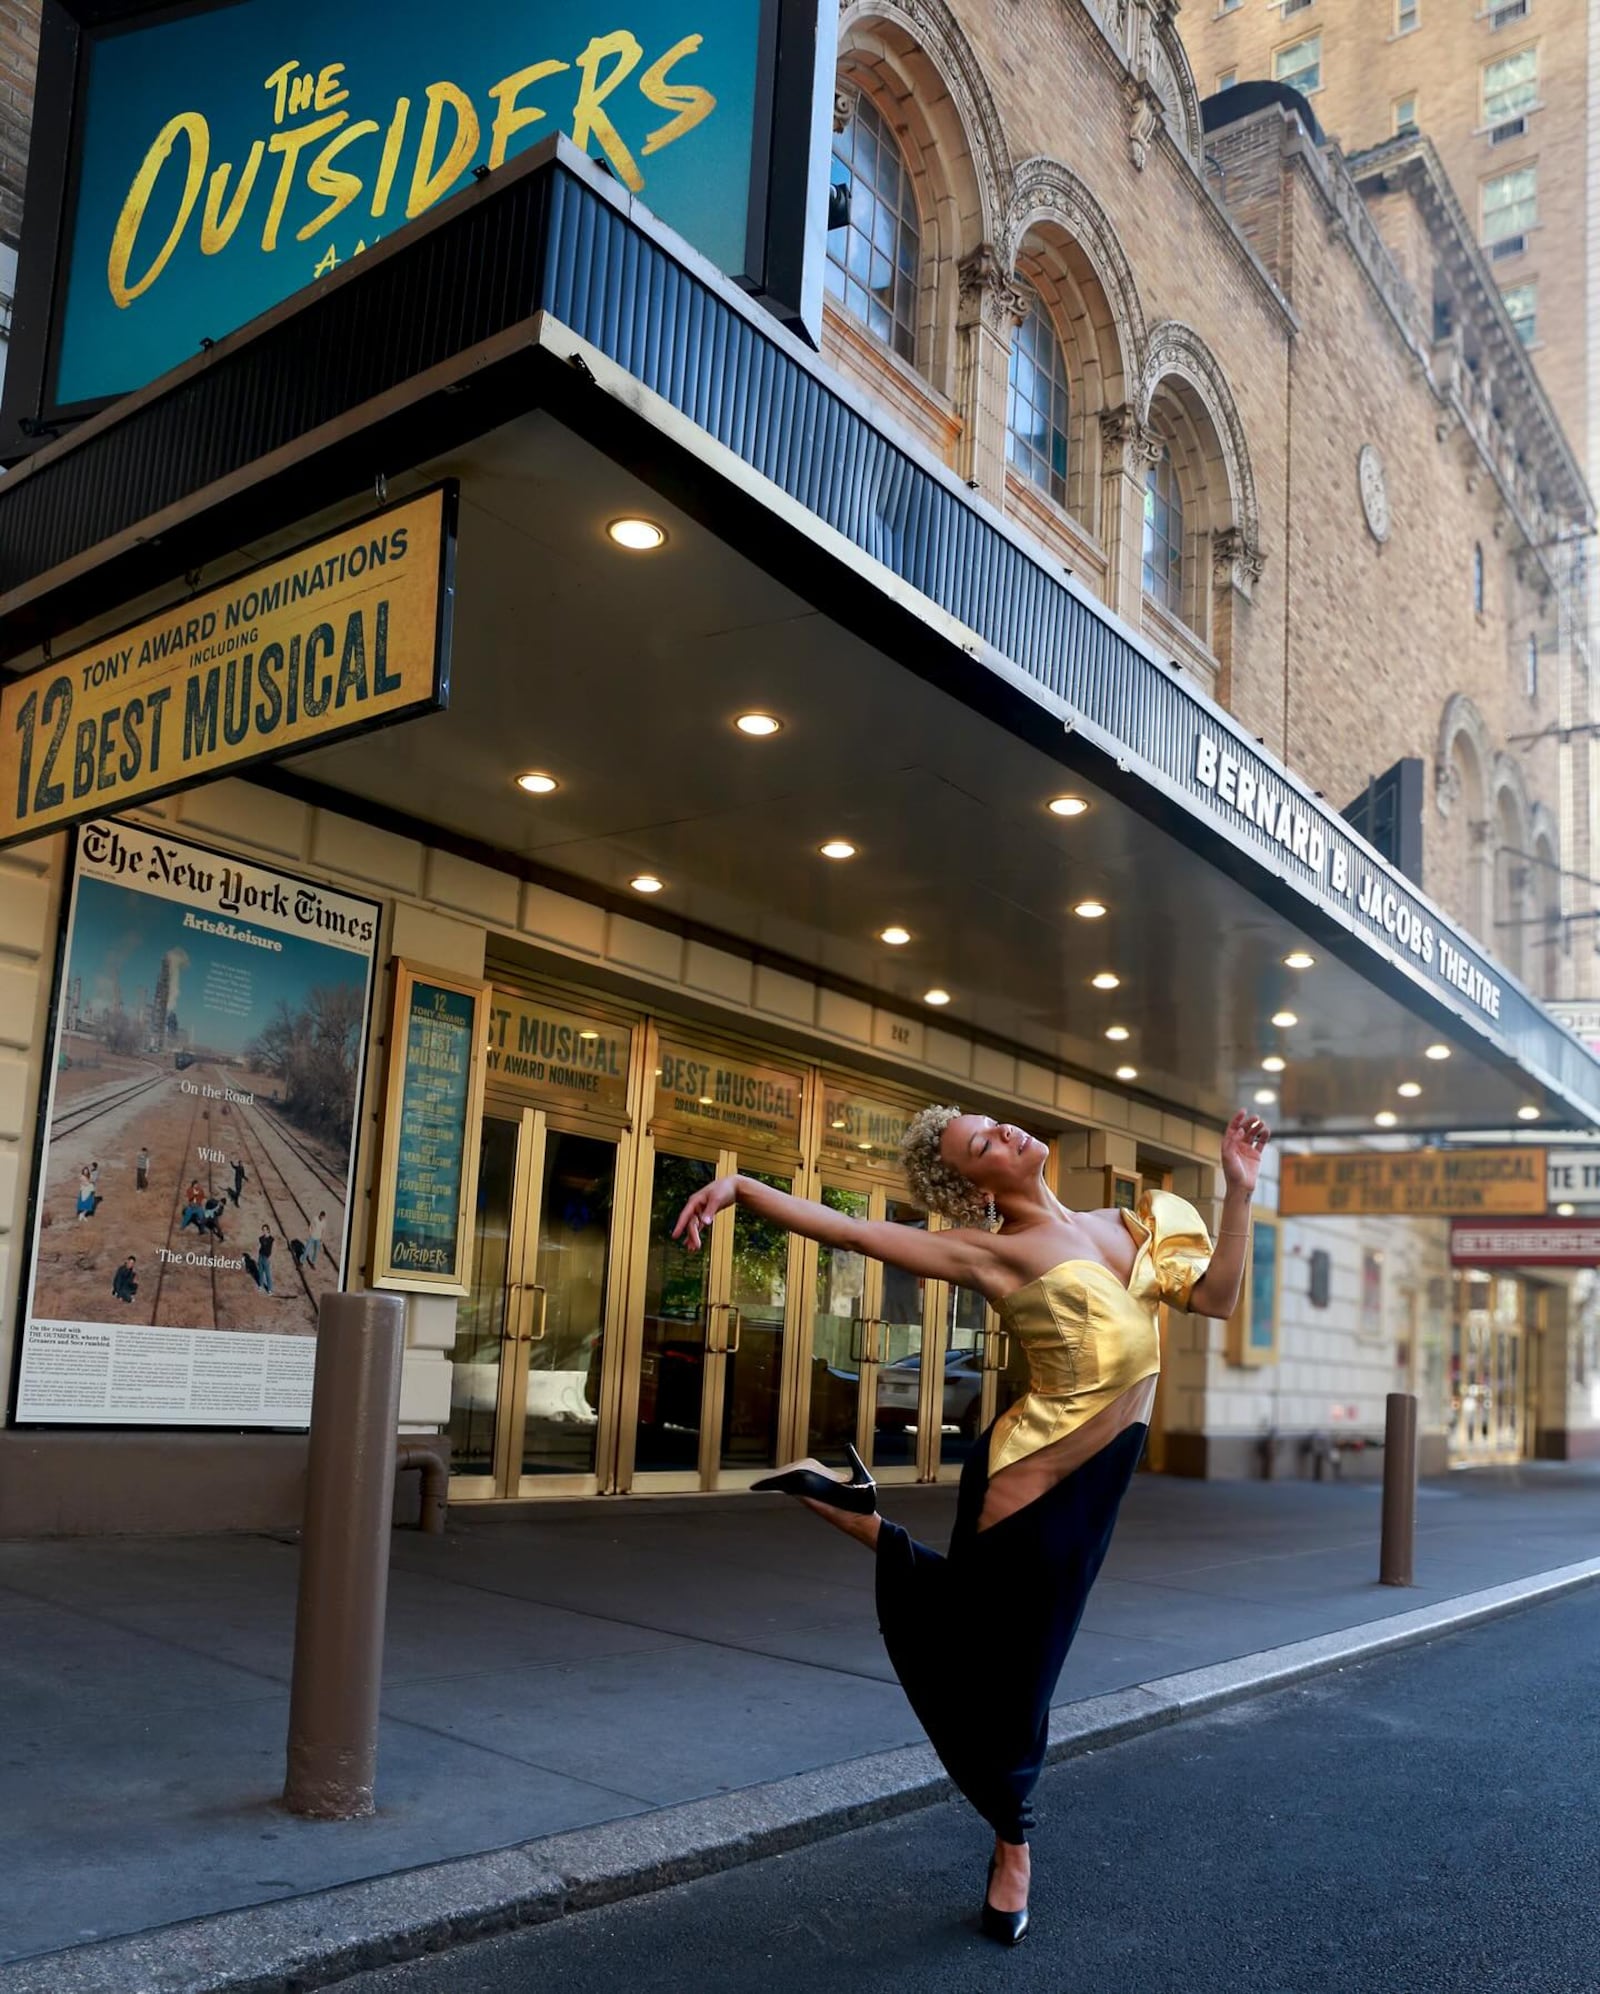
<point x="226" y="162"/>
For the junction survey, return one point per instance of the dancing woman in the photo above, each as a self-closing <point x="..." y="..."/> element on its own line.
<point x="978" y="1638"/>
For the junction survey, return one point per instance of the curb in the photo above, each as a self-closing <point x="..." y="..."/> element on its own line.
<point x="314" y="1941"/>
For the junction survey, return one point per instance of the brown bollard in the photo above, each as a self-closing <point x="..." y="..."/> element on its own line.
<point x="1397" y="1557"/>
<point x="344" y="1557"/>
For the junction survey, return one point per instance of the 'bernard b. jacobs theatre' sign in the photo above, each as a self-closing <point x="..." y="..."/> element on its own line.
<point x="1279" y="813"/>
<point x="228" y="156"/>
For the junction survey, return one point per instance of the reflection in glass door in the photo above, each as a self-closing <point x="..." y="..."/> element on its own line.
<point x="752" y="1349"/>
<point x="839" y="1332"/>
<point x="970" y="1353"/>
<point x="481" y="1320"/>
<point x="677" y="1292"/>
<point x="571" y="1276"/>
<point x="530" y="1333"/>
<point x="897" y="1346"/>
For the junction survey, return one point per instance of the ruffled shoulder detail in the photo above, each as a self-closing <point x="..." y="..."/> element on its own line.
<point x="1177" y="1241"/>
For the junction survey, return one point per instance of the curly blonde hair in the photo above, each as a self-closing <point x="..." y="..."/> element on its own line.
<point x="934" y="1183"/>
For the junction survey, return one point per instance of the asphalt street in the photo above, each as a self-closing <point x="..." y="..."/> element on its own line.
<point x="1426" y="1823"/>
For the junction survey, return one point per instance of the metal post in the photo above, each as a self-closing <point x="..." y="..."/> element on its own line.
<point x="1397" y="1558"/>
<point x="344" y="1557"/>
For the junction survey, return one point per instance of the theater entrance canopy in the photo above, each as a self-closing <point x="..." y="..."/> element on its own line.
<point x="937" y="683"/>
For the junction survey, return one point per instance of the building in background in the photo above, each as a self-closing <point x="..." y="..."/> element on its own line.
<point x="1132" y="521"/>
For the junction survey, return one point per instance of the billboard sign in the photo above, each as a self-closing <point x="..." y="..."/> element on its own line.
<point x="199" y="1143"/>
<point x="1413" y="1183"/>
<point x="220" y="158"/>
<point x="347" y="633"/>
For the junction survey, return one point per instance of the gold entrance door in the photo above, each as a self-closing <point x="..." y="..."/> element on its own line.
<point x="533" y="1333"/>
<point x="707" y="1385"/>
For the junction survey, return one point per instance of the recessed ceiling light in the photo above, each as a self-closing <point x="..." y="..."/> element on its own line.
<point x="895" y="937"/>
<point x="1386" y="1118"/>
<point x="1265" y="1097"/>
<point x="1117" y="1032"/>
<point x="1284" y="1019"/>
<point x="758" y="725"/>
<point x="1565" y="1211"/>
<point x="1127" y="1072"/>
<point x="1089" y="910"/>
<point x="863" y="1145"/>
<point x="839" y="1124"/>
<point x="1408" y="1090"/>
<point x="936" y="997"/>
<point x="639" y="536"/>
<point x="646" y="882"/>
<point x="588" y="1035"/>
<point x="837" y="848"/>
<point x="1527" y="1112"/>
<point x="1298" y="959"/>
<point x="1067" y="806"/>
<point x="536" y="782"/>
<point x="1106" y="981"/>
<point x="1436" y="1052"/>
<point x="1272" y="1064"/>
<point x="705" y="1101"/>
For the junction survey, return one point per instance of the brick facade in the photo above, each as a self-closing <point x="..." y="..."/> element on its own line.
<point x="19" y="58"/>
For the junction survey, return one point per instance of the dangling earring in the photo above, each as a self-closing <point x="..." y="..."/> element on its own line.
<point x="991" y="1216"/>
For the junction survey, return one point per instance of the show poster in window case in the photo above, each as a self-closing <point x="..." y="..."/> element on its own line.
<point x="427" y="1175"/>
<point x="198" y="1154"/>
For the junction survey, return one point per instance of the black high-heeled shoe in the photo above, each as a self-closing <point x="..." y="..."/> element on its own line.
<point x="1007" y="1928"/>
<point x="859" y="1495"/>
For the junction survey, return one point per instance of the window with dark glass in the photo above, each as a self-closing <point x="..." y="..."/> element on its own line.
<point x="1036" y="403"/>
<point x="1477" y="578"/>
<point x="1163" y="533"/>
<point x="874" y="240"/>
<point x="1522" y="308"/>
<point x="1300" y="66"/>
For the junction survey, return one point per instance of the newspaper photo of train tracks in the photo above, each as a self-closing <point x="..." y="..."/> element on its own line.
<point x="195" y="1194"/>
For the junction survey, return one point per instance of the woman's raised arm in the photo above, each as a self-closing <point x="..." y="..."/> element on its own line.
<point x="958" y="1255"/>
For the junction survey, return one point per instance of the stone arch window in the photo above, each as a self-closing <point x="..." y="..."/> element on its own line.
<point x="1037" y="401"/>
<point x="1532" y="668"/>
<point x="1162" y="558"/>
<point x="1512" y="882"/>
<point x="1545" y="955"/>
<point x="1463" y="775"/>
<point x="1477" y="576"/>
<point x="874" y="254"/>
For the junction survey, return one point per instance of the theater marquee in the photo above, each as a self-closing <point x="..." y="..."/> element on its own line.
<point x="345" y="634"/>
<point x="1414" y="1183"/>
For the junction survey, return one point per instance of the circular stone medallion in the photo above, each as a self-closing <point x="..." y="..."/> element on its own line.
<point x="1374" y="491"/>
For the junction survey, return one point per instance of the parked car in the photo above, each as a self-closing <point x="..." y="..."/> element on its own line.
<point x="900" y="1383"/>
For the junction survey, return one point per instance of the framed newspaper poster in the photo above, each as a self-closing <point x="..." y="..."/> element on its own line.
<point x="197" y="1152"/>
<point x="426" y="1194"/>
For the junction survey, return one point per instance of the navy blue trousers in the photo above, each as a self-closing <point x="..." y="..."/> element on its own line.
<point x="978" y="1637"/>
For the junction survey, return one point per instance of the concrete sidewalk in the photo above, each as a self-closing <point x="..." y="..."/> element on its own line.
<point x="596" y="1663"/>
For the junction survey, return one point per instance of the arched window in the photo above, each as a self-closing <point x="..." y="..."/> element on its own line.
<point x="1163" y="533"/>
<point x="1533" y="664"/>
<point x="874" y="240"/>
<point x="1477" y="576"/>
<point x="1036" y="403"/>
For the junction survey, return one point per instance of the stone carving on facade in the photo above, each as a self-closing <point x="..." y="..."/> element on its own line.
<point x="989" y="294"/>
<point x="1045" y="191"/>
<point x="1179" y="350"/>
<point x="1460" y="722"/>
<point x="933" y="29"/>
<point x="1234" y="559"/>
<point x="1146" y="116"/>
<point x="845" y="99"/>
<point x="1127" y="443"/>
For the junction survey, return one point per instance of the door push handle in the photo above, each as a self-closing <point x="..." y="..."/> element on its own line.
<point x="537" y="1334"/>
<point x="730" y="1345"/>
<point x="996" y="1348"/>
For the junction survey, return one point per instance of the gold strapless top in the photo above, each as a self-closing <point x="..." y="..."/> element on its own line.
<point x="1088" y="1338"/>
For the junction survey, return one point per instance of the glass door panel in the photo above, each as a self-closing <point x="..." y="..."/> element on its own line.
<point x="482" y="1314"/>
<point x="966" y="1350"/>
<point x="898" y="1348"/>
<point x="752" y="1346"/>
<point x="673" y="1354"/>
<point x="567" y="1334"/>
<point x="838" y="1337"/>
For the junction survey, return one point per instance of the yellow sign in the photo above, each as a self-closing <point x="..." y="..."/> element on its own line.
<point x="863" y="1131"/>
<point x="1436" y="1182"/>
<point x="727" y="1098"/>
<point x="341" y="635"/>
<point x="558" y="1056"/>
